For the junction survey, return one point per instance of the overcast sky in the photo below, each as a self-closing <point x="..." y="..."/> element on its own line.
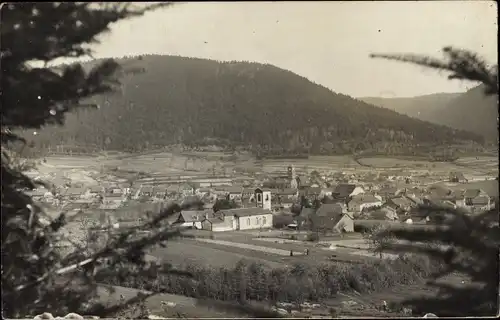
<point x="326" y="42"/>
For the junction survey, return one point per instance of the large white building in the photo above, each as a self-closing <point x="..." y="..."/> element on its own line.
<point x="258" y="217"/>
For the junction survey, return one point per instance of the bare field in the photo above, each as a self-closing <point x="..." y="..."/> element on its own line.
<point x="313" y="163"/>
<point x="467" y="164"/>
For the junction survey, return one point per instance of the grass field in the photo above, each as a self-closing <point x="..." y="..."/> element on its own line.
<point x="167" y="305"/>
<point x="184" y="252"/>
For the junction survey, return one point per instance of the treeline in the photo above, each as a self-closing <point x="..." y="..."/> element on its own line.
<point x="195" y="102"/>
<point x="299" y="283"/>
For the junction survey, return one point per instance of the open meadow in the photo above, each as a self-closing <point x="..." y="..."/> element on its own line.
<point x="184" y="252"/>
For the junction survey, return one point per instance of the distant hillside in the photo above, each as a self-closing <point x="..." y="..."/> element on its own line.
<point x="171" y="100"/>
<point x="420" y="107"/>
<point x="470" y="111"/>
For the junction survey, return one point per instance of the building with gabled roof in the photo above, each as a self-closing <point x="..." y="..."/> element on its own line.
<point x="193" y="218"/>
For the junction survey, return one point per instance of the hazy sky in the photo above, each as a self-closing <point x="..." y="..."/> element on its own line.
<point x="327" y="42"/>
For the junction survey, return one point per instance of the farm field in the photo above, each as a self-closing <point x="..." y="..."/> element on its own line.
<point x="165" y="164"/>
<point x="489" y="186"/>
<point x="313" y="163"/>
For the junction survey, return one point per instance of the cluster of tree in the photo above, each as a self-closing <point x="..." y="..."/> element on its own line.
<point x="225" y="204"/>
<point x="302" y="282"/>
<point x="261" y="107"/>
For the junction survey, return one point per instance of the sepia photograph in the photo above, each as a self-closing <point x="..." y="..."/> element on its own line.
<point x="266" y="159"/>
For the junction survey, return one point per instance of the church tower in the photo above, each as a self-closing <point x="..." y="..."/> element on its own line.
<point x="292" y="178"/>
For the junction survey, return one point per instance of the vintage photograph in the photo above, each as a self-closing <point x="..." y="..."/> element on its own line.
<point x="267" y="159"/>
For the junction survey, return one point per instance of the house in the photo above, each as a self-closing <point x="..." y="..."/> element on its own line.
<point x="95" y="191"/>
<point x="186" y="189"/>
<point x="312" y="193"/>
<point x="193" y="218"/>
<point x="146" y="191"/>
<point x="74" y="193"/>
<point x="332" y="218"/>
<point x="386" y="213"/>
<point x="286" y="203"/>
<point x="280" y="183"/>
<point x="115" y="189"/>
<point x="458" y="196"/>
<point x="234" y="193"/>
<point x="345" y="191"/>
<point x="112" y="201"/>
<point x="159" y="193"/>
<point x="287" y="193"/>
<point x="250" y="218"/>
<point x="363" y="201"/>
<point x="248" y="192"/>
<point x="201" y="192"/>
<point x="327" y="192"/>
<point x="218" y="223"/>
<point x="326" y="209"/>
<point x="438" y="192"/>
<point x="172" y="190"/>
<point x="401" y="204"/>
<point x="457" y="177"/>
<point x="477" y="199"/>
<point x="221" y="191"/>
<point x="387" y="192"/>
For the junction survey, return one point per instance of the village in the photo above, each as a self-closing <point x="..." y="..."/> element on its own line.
<point x="330" y="202"/>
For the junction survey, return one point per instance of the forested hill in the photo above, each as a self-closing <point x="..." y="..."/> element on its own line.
<point x="170" y="99"/>
<point x="421" y="107"/>
<point x="471" y="111"/>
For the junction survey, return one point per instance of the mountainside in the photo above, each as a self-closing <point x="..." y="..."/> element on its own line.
<point x="470" y="111"/>
<point x="420" y="107"/>
<point x="169" y="99"/>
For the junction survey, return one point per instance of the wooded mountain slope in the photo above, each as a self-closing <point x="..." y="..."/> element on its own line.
<point x="420" y="107"/>
<point x="170" y="99"/>
<point x="470" y="111"/>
